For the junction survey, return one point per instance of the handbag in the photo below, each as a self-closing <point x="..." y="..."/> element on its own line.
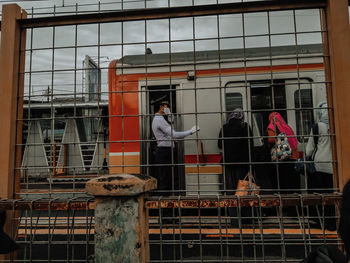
<point x="281" y="150"/>
<point x="247" y="186"/>
<point x="300" y="165"/>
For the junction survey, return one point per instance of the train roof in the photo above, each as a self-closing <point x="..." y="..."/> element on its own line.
<point x="224" y="54"/>
<point x="65" y="103"/>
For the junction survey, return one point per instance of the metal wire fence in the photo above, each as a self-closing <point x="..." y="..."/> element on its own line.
<point x="246" y="229"/>
<point x="51" y="230"/>
<point x="83" y="117"/>
<point x="184" y="229"/>
<point x="120" y="95"/>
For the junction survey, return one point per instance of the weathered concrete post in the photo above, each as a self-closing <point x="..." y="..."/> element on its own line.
<point x="121" y="220"/>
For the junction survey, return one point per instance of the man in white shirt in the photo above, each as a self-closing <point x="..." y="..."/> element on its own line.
<point x="165" y="136"/>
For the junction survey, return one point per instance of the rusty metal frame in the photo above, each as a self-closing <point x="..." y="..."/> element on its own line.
<point x="147" y="14"/>
<point x="243" y="7"/>
<point x="11" y="63"/>
<point x="339" y="63"/>
<point x="243" y="201"/>
<point x="337" y="17"/>
<point x="172" y="12"/>
<point x="48" y="204"/>
<point x="185" y="202"/>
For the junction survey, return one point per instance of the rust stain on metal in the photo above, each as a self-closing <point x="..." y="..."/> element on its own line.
<point x="61" y="205"/>
<point x="247" y="201"/>
<point x="210" y="203"/>
<point x="190" y="203"/>
<point x="270" y="201"/>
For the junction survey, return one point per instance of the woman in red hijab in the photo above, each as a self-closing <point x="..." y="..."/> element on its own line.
<point x="288" y="179"/>
<point x="277" y="121"/>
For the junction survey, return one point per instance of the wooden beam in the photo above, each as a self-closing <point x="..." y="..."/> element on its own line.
<point x="339" y="39"/>
<point x="172" y="12"/>
<point x="9" y="91"/>
<point x="10" y="88"/>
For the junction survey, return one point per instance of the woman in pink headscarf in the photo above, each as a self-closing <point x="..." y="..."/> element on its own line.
<point x="288" y="177"/>
<point x="277" y="121"/>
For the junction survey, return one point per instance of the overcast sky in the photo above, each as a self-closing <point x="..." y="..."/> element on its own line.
<point x="180" y="32"/>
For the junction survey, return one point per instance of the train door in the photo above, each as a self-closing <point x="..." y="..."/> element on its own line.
<point x="265" y="97"/>
<point x="149" y="98"/>
<point x="258" y="99"/>
<point x="237" y="95"/>
<point x="292" y="98"/>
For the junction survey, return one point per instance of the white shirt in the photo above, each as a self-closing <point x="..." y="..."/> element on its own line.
<point x="323" y="156"/>
<point x="164" y="133"/>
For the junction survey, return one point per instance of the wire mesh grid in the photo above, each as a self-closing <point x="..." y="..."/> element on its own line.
<point x="241" y="229"/>
<point x="51" y="230"/>
<point x="183" y="229"/>
<point x="92" y="93"/>
<point x="83" y="117"/>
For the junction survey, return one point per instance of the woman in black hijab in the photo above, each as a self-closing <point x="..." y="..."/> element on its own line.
<point x="237" y="148"/>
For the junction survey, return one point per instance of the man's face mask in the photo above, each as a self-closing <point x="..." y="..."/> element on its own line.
<point x="167" y="111"/>
<point x="169" y="115"/>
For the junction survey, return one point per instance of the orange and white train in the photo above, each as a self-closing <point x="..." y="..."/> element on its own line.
<point x="202" y="87"/>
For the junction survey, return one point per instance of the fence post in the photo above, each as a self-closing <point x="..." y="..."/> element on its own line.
<point x="12" y="64"/>
<point x="339" y="41"/>
<point x="13" y="39"/>
<point x="121" y="219"/>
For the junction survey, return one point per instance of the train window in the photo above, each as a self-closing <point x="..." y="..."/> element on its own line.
<point x="303" y="117"/>
<point x="233" y="101"/>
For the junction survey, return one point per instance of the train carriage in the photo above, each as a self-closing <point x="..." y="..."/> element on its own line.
<point x="203" y="87"/>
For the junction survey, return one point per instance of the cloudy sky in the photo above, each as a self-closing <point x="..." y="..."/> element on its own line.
<point x="162" y="36"/>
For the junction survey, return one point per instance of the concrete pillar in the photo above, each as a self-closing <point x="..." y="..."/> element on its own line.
<point x="121" y="219"/>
